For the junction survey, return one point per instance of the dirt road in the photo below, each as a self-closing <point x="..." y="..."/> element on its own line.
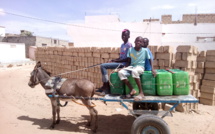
<point x="27" y="110"/>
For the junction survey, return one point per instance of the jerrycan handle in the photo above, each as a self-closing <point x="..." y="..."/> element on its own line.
<point x="170" y="71"/>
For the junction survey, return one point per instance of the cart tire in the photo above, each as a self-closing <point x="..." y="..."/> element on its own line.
<point x="149" y="124"/>
<point x="145" y="106"/>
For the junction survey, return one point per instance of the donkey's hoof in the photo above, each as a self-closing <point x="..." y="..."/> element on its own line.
<point x="51" y="127"/>
<point x="58" y="121"/>
<point x="94" y="130"/>
<point x="88" y="124"/>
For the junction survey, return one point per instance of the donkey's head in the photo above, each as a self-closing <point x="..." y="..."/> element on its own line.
<point x="34" y="76"/>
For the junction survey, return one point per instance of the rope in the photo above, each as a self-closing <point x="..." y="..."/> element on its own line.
<point x="115" y="70"/>
<point x="59" y="104"/>
<point x="73" y="71"/>
<point x="78" y="70"/>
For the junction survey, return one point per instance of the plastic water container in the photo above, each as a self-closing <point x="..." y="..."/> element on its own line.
<point x="133" y="84"/>
<point x="164" y="82"/>
<point x="148" y="83"/>
<point x="117" y="87"/>
<point x="181" y="84"/>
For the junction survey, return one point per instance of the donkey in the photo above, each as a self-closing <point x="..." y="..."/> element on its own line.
<point x="71" y="87"/>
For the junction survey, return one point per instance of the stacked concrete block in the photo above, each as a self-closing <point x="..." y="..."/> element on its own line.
<point x="186" y="59"/>
<point x="200" y="70"/>
<point x="208" y="83"/>
<point x="163" y="57"/>
<point x="73" y="62"/>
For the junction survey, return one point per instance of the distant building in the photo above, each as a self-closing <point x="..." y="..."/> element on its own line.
<point x="28" y="39"/>
<point x="105" y="31"/>
<point x="2" y="32"/>
<point x="12" y="52"/>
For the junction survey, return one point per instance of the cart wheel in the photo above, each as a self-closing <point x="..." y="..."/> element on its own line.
<point x="145" y="106"/>
<point x="149" y="124"/>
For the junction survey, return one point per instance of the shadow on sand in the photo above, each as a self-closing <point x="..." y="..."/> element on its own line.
<point x="115" y="124"/>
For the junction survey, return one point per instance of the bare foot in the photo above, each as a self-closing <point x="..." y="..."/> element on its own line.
<point x="139" y="97"/>
<point x="133" y="92"/>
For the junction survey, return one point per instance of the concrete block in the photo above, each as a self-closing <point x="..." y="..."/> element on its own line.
<point x="210" y="52"/>
<point x="81" y="54"/>
<point x="67" y="53"/>
<point x="74" y="54"/>
<point x="208" y="83"/>
<point x="160" y="49"/>
<point x="96" y="60"/>
<point x="200" y="64"/>
<point x="95" y="54"/>
<point x="182" y="107"/>
<point x="202" y="54"/>
<point x="90" y="59"/>
<point x="208" y="89"/>
<point x="178" y="56"/>
<point x="156" y="48"/>
<point x="155" y="62"/>
<point x="182" y="63"/>
<point x="210" y="70"/>
<point x="161" y="63"/>
<point x="185" y="48"/>
<point x="195" y="50"/>
<point x="208" y="95"/>
<point x="96" y="49"/>
<point x="196" y="86"/>
<point x="88" y="49"/>
<point x="105" y="55"/>
<point x="114" y="55"/>
<point x="88" y="54"/>
<point x="188" y="56"/>
<point x="209" y="77"/>
<point x="167" y="49"/>
<point x="201" y="59"/>
<point x="209" y="64"/>
<point x="210" y="58"/>
<point x="196" y="93"/>
<point x="194" y="64"/>
<point x="199" y="70"/>
<point x="115" y="49"/>
<point x="164" y="56"/>
<point x="207" y="101"/>
<point x="167" y="63"/>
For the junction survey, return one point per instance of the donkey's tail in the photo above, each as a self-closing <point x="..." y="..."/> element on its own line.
<point x="94" y="89"/>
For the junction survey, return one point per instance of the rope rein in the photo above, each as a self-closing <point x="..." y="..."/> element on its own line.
<point x="72" y="71"/>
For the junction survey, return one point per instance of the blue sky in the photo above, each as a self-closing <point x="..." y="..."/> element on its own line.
<point x="73" y="11"/>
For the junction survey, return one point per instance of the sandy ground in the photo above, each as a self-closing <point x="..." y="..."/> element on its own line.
<point x="27" y="110"/>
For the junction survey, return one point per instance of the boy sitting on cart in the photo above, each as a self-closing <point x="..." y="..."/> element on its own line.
<point x="135" y="67"/>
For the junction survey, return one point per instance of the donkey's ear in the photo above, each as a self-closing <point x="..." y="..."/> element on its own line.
<point x="38" y="64"/>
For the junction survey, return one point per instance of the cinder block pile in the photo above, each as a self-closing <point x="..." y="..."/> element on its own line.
<point x="208" y="83"/>
<point x="163" y="57"/>
<point x="186" y="57"/>
<point x="200" y="70"/>
<point x="73" y="62"/>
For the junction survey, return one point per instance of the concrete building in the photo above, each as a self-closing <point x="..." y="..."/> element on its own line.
<point x="193" y="29"/>
<point x="28" y="39"/>
<point x="12" y="52"/>
<point x="105" y="31"/>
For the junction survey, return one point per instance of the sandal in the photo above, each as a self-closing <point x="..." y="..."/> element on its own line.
<point x="139" y="98"/>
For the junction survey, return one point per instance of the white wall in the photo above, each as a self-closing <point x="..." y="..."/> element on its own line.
<point x="186" y="34"/>
<point x="100" y="33"/>
<point x="12" y="52"/>
<point x="2" y="31"/>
